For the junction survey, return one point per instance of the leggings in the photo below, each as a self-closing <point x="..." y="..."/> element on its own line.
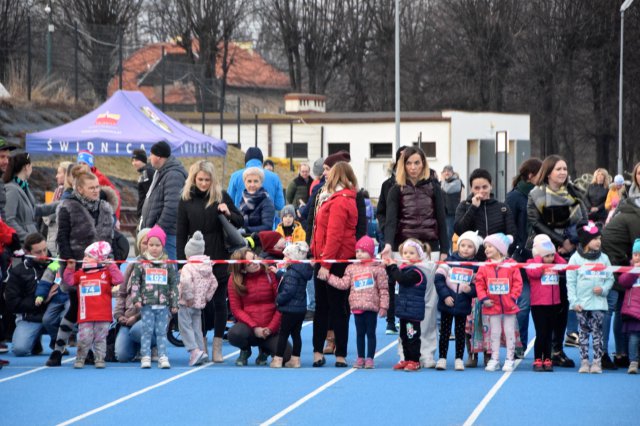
<point x="545" y="320"/>
<point x="291" y="324"/>
<point x="590" y="322"/>
<point x="497" y="323"/>
<point x="332" y="305"/>
<point x="366" y="328"/>
<point x="446" y="321"/>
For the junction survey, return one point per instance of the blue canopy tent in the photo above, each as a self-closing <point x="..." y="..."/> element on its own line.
<point x="126" y="121"/>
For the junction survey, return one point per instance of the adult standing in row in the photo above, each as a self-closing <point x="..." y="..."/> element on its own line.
<point x="146" y="172"/>
<point x="597" y="195"/>
<point x="554" y="209"/>
<point x="161" y="203"/>
<point x="202" y="201"/>
<point x="452" y="187"/>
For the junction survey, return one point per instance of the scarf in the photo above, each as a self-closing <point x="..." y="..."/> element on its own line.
<point x="543" y="196"/>
<point x="251" y="201"/>
<point x="592" y="255"/>
<point x="634" y="191"/>
<point x="21" y="183"/>
<point x="524" y="187"/>
<point x="325" y="194"/>
<point x="91" y="205"/>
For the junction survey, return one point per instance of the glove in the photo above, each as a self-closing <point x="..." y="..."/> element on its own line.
<point x="54" y="266"/>
<point x="15" y="242"/>
<point x="39" y="300"/>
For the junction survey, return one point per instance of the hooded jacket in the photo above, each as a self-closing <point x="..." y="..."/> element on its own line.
<point x="491" y="217"/>
<point x="292" y="290"/>
<point x="257" y="308"/>
<point x="20" y="289"/>
<point x="412" y="282"/>
<point x="161" y="204"/>
<point x="197" y="283"/>
<point x="631" y="302"/>
<point x="369" y="286"/>
<point x="503" y="304"/>
<point x="581" y="282"/>
<point x="297" y="235"/>
<point x="447" y="288"/>
<point x="545" y="283"/>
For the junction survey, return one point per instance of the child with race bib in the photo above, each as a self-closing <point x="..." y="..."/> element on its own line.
<point x="546" y="306"/>
<point x="456" y="290"/>
<point x="196" y="288"/>
<point x="412" y="279"/>
<point x="587" y="291"/>
<point x="368" y="298"/>
<point x="154" y="290"/>
<point x="94" y="282"/>
<point x="499" y="287"/>
<point x="631" y="308"/>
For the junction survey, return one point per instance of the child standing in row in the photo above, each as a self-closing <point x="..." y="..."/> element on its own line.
<point x="410" y="301"/>
<point x="631" y="308"/>
<point x="368" y="298"/>
<point x="587" y="291"/>
<point x="94" y="282"/>
<point x="196" y="288"/>
<point x="154" y="290"/>
<point x="546" y="306"/>
<point x="292" y="303"/>
<point x="456" y="290"/>
<point x="499" y="287"/>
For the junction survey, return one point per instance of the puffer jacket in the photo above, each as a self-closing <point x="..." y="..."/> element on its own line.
<point x="292" y="290"/>
<point x="491" y="217"/>
<point x="631" y="303"/>
<point x="197" y="283"/>
<point x="410" y="300"/>
<point x="369" y="284"/>
<point x="257" y="210"/>
<point x="20" y="289"/>
<point x="161" y="205"/>
<point x="447" y="288"/>
<point x="154" y="294"/>
<point x="257" y="308"/>
<point x="503" y="304"/>
<point x="545" y="283"/>
<point x="581" y="282"/>
<point x="334" y="234"/>
<point x="297" y="235"/>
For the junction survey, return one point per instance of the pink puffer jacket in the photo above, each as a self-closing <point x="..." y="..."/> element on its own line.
<point x="631" y="303"/>
<point x="369" y="286"/>
<point x="197" y="283"/>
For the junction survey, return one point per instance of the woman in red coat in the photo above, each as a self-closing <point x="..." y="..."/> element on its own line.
<point x="334" y="237"/>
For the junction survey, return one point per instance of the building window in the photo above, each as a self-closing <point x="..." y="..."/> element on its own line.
<point x="381" y="150"/>
<point x="300" y="150"/>
<point x="338" y="146"/>
<point x="429" y="148"/>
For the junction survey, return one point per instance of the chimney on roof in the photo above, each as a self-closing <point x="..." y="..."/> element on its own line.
<point x="304" y="102"/>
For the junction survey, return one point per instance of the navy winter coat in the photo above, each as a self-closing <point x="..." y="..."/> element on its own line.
<point x="461" y="300"/>
<point x="412" y="281"/>
<point x="292" y="290"/>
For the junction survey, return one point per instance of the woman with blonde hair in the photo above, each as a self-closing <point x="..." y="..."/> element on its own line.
<point x="597" y="195"/>
<point x="199" y="209"/>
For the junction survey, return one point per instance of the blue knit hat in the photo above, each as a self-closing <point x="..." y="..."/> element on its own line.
<point x="636" y="246"/>
<point x="85" y="156"/>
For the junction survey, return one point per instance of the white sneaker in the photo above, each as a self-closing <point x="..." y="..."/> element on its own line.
<point x="459" y="364"/>
<point x="584" y="366"/>
<point x="163" y="362"/>
<point x="441" y="364"/>
<point x="509" y="365"/>
<point x="492" y="365"/>
<point x="429" y="363"/>
<point x="145" y="362"/>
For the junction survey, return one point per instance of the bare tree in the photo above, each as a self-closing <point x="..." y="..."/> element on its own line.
<point x="13" y="21"/>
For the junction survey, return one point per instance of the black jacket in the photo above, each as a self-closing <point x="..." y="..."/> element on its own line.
<point x="596" y="197"/>
<point x="144" y="182"/>
<point x="461" y="300"/>
<point x="20" y="289"/>
<point x="491" y="217"/>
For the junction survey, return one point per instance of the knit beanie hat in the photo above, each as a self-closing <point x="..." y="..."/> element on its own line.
<point x="636" y="246"/>
<point x="100" y="251"/>
<point x="253" y="153"/>
<point x="85" y="156"/>
<point x="542" y="245"/>
<point x="472" y="236"/>
<point x="268" y="239"/>
<point x="297" y="250"/>
<point x="288" y="210"/>
<point x="142" y="235"/>
<point x="618" y="180"/>
<point x="161" y="149"/>
<point x="195" y="245"/>
<point x="317" y="167"/>
<point x="157" y="232"/>
<point x="366" y="244"/>
<point x="587" y="231"/>
<point x="500" y="241"/>
<point x="139" y="154"/>
<point x="336" y="157"/>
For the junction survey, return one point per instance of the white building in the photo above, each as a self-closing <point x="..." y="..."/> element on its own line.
<point x="465" y="140"/>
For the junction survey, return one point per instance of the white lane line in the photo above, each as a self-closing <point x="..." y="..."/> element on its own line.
<point x="492" y="392"/>
<point x="35" y="370"/>
<point x="327" y="385"/>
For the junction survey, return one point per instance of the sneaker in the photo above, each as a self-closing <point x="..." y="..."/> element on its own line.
<point x="519" y="353"/>
<point x="509" y="365"/>
<point x="100" y="363"/>
<point x="204" y="358"/>
<point x="596" y="367"/>
<point x="607" y="362"/>
<point x="4" y="348"/>
<point x="441" y="364"/>
<point x="276" y="362"/>
<point x="3" y="362"/>
<point x="538" y="366"/>
<point x="452" y="337"/>
<point x="492" y="365"/>
<point x="560" y="359"/>
<point x="145" y="362"/>
<point x="412" y="366"/>
<point x="154" y="354"/>
<point x="55" y="359"/>
<point x="359" y="363"/>
<point x="400" y="365"/>
<point x="369" y="364"/>
<point x="584" y="366"/>
<point x="458" y="364"/>
<point x="163" y="362"/>
<point x="262" y="358"/>
<point x="428" y="363"/>
<point x="621" y="361"/>
<point x="572" y="340"/>
<point x="633" y="367"/>
<point x="194" y="357"/>
<point x="79" y="363"/>
<point x="391" y="329"/>
<point x="547" y="365"/>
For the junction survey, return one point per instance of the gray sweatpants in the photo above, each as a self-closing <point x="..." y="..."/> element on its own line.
<point x="190" y="325"/>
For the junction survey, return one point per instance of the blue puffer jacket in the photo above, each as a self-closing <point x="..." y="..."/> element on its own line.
<point x="445" y="288"/>
<point x="412" y="281"/>
<point x="292" y="290"/>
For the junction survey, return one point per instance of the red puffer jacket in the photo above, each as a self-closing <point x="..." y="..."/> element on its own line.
<point x="334" y="235"/>
<point x="631" y="304"/>
<point x="488" y="289"/>
<point x="94" y="291"/>
<point x="545" y="291"/>
<point x="257" y="308"/>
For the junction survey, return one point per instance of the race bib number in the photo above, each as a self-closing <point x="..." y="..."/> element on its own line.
<point x="498" y="286"/>
<point x="597" y="275"/>
<point x="550" y="278"/>
<point x="90" y="288"/>
<point x="461" y="275"/>
<point x="363" y="281"/>
<point x="156" y="276"/>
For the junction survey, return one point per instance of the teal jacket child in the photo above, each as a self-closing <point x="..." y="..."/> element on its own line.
<point x="581" y="282"/>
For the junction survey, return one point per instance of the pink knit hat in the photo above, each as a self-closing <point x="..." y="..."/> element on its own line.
<point x="500" y="241"/>
<point x="99" y="251"/>
<point x="366" y="244"/>
<point x="157" y="232"/>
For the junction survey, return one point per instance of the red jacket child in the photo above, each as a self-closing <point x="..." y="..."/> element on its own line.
<point x="545" y="282"/>
<point x="491" y="280"/>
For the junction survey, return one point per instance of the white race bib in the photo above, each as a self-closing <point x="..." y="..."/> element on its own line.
<point x="363" y="281"/>
<point x="498" y="286"/>
<point x="550" y="278"/>
<point x="156" y="276"/>
<point x="461" y="275"/>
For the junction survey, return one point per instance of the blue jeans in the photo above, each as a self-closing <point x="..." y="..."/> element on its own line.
<point x="128" y="342"/>
<point x="634" y="341"/>
<point x="622" y="340"/>
<point x="52" y="317"/>
<point x="311" y="295"/>
<point x="154" y="321"/>
<point x="25" y="336"/>
<point x="450" y="221"/>
<point x="171" y="247"/>
<point x="612" y="301"/>
<point x="524" y="303"/>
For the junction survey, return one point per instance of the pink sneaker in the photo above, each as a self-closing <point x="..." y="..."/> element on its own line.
<point x="195" y="357"/>
<point x="359" y="363"/>
<point x="368" y="364"/>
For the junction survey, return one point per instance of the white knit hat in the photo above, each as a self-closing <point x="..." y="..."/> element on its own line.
<point x="542" y="245"/>
<point x="296" y="251"/>
<point x="472" y="236"/>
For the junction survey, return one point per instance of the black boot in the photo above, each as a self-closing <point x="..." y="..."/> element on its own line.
<point x="55" y="359"/>
<point x="621" y="361"/>
<point x="607" y="363"/>
<point x="560" y="359"/>
<point x="262" y="358"/>
<point x="243" y="358"/>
